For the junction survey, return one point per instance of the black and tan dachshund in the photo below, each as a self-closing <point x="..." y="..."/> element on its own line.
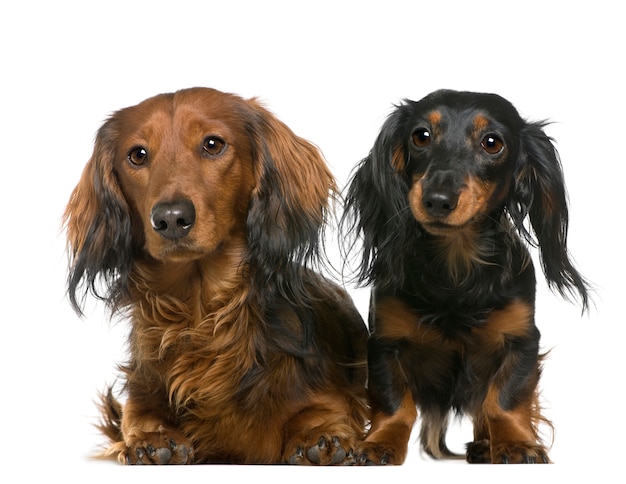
<point x="455" y="188"/>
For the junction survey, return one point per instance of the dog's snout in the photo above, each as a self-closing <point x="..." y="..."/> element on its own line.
<point x="173" y="220"/>
<point x="440" y="195"/>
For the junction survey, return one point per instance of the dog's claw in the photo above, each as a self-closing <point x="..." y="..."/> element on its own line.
<point x="297" y="457"/>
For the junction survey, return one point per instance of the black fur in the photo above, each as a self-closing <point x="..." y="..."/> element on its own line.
<point x="464" y="293"/>
<point x="376" y="200"/>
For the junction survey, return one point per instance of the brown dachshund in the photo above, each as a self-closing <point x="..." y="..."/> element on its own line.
<point x="440" y="205"/>
<point x="197" y="219"/>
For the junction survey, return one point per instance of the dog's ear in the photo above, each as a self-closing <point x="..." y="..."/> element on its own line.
<point x="98" y="228"/>
<point x="291" y="201"/>
<point x="539" y="193"/>
<point x="376" y="208"/>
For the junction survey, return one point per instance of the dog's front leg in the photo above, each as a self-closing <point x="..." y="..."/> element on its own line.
<point x="149" y="438"/>
<point x="393" y="409"/>
<point x="505" y="425"/>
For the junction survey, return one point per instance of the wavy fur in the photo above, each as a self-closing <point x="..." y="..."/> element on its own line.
<point x="455" y="188"/>
<point x="198" y="218"/>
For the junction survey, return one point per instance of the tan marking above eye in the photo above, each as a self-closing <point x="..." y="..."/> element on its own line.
<point x="434" y="117"/>
<point x="480" y="122"/>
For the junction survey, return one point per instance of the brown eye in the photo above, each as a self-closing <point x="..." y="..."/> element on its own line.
<point x="492" y="144"/>
<point x="213" y="146"/>
<point x="138" y="155"/>
<point x="421" y="137"/>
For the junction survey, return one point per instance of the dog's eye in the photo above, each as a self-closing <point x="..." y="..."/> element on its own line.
<point x="213" y="146"/>
<point x="421" y="137"/>
<point x="138" y="155"/>
<point x="492" y="144"/>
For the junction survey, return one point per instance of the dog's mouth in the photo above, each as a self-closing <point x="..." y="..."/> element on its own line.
<point x="439" y="227"/>
<point x="176" y="250"/>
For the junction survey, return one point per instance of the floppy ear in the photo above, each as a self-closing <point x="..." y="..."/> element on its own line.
<point x="376" y="206"/>
<point x="98" y="229"/>
<point x="290" y="203"/>
<point x="539" y="193"/>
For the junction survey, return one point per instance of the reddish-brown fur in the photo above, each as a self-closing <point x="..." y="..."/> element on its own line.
<point x="238" y="353"/>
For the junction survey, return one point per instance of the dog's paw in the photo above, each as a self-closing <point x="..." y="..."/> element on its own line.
<point x="481" y="452"/>
<point x="378" y="454"/>
<point x="158" y="448"/>
<point x="478" y="452"/>
<point x="326" y="451"/>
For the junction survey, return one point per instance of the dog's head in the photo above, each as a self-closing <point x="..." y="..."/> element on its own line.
<point x="448" y="163"/>
<point x="458" y="156"/>
<point x="184" y="176"/>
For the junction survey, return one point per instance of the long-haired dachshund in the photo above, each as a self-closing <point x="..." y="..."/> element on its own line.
<point x="198" y="218"/>
<point x="440" y="205"/>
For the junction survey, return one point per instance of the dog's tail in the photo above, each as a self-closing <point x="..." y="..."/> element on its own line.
<point x="433" y="436"/>
<point x="110" y="424"/>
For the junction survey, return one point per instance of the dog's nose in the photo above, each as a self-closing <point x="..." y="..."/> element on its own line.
<point x="440" y="202"/>
<point x="440" y="195"/>
<point x="173" y="220"/>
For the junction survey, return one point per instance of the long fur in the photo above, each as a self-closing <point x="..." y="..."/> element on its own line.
<point x="238" y="351"/>
<point x="452" y="309"/>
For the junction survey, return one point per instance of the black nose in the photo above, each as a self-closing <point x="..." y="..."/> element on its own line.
<point x="441" y="194"/>
<point x="439" y="203"/>
<point x="173" y="220"/>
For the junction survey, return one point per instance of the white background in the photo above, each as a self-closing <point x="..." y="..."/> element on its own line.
<point x="331" y="71"/>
